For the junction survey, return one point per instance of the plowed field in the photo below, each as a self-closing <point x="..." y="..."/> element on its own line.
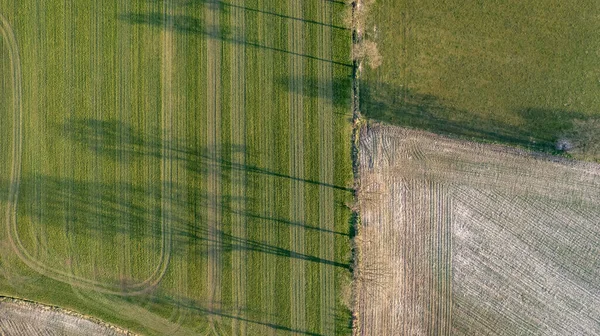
<point x="460" y="238"/>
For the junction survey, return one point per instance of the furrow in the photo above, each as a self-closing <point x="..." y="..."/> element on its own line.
<point x="238" y="184"/>
<point x="326" y="157"/>
<point x="213" y="146"/>
<point x="298" y="276"/>
<point x="166" y="136"/>
<point x="267" y="199"/>
<point x="122" y="105"/>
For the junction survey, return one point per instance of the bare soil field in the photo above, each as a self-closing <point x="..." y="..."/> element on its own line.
<point x="459" y="238"/>
<point x="29" y="319"/>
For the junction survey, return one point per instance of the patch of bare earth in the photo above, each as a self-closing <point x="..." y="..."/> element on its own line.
<point x="24" y="318"/>
<point x="459" y="238"/>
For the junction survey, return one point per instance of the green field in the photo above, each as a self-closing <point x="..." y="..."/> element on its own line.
<point x="523" y="73"/>
<point x="180" y="166"/>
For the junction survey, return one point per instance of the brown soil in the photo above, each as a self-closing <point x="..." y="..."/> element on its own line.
<point x="460" y="238"/>
<point x="19" y="317"/>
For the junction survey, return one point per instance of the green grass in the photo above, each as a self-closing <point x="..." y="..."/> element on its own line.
<point x="185" y="164"/>
<point x="514" y="72"/>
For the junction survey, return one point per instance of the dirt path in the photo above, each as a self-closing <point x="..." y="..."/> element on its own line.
<point x="297" y="208"/>
<point x="18" y="317"/>
<point x="167" y="138"/>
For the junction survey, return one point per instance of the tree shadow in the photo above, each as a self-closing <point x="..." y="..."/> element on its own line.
<point x="225" y="6"/>
<point x="179" y="23"/>
<point x="314" y="87"/>
<point x="187" y="24"/>
<point x="121" y="207"/>
<point x="249" y="316"/>
<point x="90" y="206"/>
<point x="83" y="209"/>
<point x="223" y="242"/>
<point x="118" y="140"/>
<point x="538" y="129"/>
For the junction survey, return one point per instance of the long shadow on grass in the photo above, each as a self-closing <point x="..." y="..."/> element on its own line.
<point x="187" y="24"/>
<point x="226" y="242"/>
<point x="255" y="317"/>
<point x="83" y="209"/>
<point x="120" y="141"/>
<point x="125" y="203"/>
<point x="538" y="129"/>
<point x="225" y="6"/>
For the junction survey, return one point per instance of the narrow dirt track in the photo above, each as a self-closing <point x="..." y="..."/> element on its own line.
<point x="167" y="139"/>
<point x="26" y="318"/>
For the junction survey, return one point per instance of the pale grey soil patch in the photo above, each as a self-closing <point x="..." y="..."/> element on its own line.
<point x="26" y="318"/>
<point x="459" y="238"/>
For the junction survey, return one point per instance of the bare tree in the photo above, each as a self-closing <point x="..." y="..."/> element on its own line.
<point x="583" y="140"/>
<point x="367" y="50"/>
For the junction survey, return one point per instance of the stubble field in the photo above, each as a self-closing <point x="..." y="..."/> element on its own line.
<point x="459" y="238"/>
<point x="178" y="166"/>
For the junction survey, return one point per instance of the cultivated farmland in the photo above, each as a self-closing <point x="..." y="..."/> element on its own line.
<point x="524" y="73"/>
<point x="26" y="318"/>
<point x="460" y="238"/>
<point x="178" y="166"/>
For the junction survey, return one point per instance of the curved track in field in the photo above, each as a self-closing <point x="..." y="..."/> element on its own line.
<point x="13" y="195"/>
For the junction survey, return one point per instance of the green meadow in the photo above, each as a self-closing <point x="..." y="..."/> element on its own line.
<point x="178" y="167"/>
<point x="524" y="73"/>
